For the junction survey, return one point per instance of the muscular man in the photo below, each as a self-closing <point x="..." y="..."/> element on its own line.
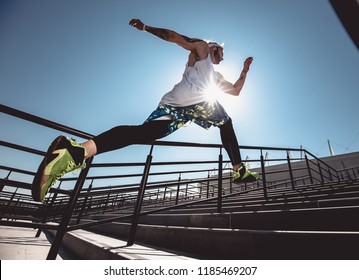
<point x="187" y="101"/>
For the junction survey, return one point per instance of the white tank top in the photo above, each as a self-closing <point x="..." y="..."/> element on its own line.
<point x="192" y="88"/>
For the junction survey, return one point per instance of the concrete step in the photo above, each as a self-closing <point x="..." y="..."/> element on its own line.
<point x="86" y="245"/>
<point x="263" y="205"/>
<point x="333" y="219"/>
<point x="21" y="244"/>
<point x="215" y="243"/>
<point x="333" y="194"/>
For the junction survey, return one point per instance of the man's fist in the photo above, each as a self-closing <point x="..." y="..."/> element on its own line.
<point x="137" y="24"/>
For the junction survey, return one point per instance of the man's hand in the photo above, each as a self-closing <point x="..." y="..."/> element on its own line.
<point x="235" y="89"/>
<point x="137" y="24"/>
<point x="189" y="44"/>
<point x="247" y="63"/>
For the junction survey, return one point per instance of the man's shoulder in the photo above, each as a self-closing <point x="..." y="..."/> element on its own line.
<point x="202" y="50"/>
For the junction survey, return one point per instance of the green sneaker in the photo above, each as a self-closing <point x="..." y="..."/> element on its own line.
<point x="64" y="155"/>
<point x="243" y="175"/>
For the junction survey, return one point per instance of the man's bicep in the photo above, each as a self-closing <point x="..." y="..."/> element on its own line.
<point x="224" y="85"/>
<point x="221" y="81"/>
<point x="187" y="43"/>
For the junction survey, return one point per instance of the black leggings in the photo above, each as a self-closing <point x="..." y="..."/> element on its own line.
<point x="230" y="143"/>
<point x="125" y="135"/>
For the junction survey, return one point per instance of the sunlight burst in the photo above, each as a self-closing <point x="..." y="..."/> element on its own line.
<point x="213" y="92"/>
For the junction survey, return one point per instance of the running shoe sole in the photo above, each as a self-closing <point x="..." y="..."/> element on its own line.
<point x="37" y="189"/>
<point x="248" y="179"/>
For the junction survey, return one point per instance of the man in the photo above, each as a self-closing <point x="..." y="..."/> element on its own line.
<point x="188" y="101"/>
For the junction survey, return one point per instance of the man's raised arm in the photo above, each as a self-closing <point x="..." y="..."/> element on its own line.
<point x="189" y="44"/>
<point x="235" y="89"/>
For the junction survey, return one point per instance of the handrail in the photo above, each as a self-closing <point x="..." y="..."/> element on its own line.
<point x="318" y="159"/>
<point x="43" y="122"/>
<point x="21" y="148"/>
<point x="209" y="187"/>
<point x="204" y="145"/>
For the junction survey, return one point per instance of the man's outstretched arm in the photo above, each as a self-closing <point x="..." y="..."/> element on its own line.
<point x="235" y="89"/>
<point x="190" y="44"/>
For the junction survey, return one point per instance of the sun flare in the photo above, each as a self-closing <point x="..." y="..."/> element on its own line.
<point x="213" y="92"/>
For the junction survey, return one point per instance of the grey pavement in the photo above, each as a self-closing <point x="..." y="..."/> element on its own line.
<point x="21" y="244"/>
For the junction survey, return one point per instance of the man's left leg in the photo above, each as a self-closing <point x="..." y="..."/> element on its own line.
<point x="229" y="140"/>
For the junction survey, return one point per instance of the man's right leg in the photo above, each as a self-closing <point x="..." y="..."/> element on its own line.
<point x="65" y="155"/>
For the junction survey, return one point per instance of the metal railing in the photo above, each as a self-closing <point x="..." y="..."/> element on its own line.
<point x="132" y="193"/>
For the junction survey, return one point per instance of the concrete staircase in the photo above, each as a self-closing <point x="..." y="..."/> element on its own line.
<point x="310" y="222"/>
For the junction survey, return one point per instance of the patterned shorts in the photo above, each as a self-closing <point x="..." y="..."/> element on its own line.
<point x="204" y="114"/>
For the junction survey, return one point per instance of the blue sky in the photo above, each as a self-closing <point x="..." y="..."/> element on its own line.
<point x="79" y="63"/>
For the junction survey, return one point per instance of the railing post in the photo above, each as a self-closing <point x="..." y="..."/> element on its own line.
<point x="10" y="201"/>
<point x="13" y="195"/>
<point x="330" y="174"/>
<point x="264" y="176"/>
<point x="158" y="195"/>
<point x="6" y="178"/>
<point x="141" y="192"/>
<point x="44" y="218"/>
<point x="220" y="171"/>
<point x="320" y="172"/>
<point x="106" y="202"/>
<point x="115" y="201"/>
<point x="84" y="206"/>
<point x="164" y="195"/>
<point x="308" y="167"/>
<point x="68" y="212"/>
<point x="178" y="188"/>
<point x="349" y="177"/>
<point x="346" y="171"/>
<point x="337" y="174"/>
<point x="207" y="189"/>
<point x="290" y="170"/>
